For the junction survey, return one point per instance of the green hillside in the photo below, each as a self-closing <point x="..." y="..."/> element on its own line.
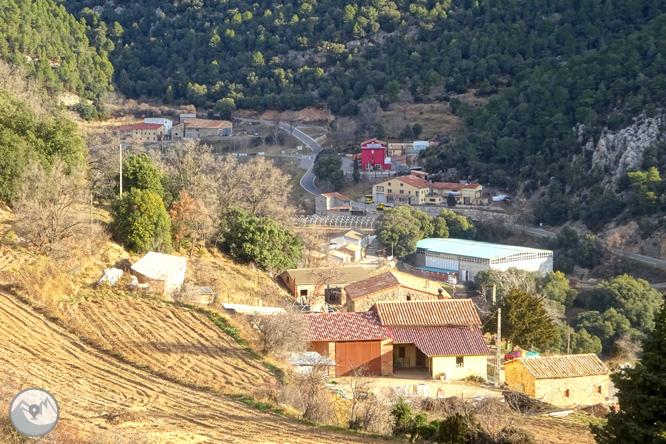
<point x="55" y="48"/>
<point x="288" y="54"/>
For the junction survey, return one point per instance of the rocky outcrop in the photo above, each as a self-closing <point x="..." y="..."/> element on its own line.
<point x="69" y="99"/>
<point x="622" y="151"/>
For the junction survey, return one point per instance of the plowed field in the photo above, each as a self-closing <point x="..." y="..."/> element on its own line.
<point x="89" y="386"/>
<point x="180" y="344"/>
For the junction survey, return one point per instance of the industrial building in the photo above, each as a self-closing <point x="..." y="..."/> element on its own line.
<point x="459" y="259"/>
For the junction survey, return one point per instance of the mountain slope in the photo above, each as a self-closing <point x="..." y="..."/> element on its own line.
<point x="288" y="54"/>
<point x="42" y="37"/>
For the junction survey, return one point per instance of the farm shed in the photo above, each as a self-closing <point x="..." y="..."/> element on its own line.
<point x="354" y="341"/>
<point x="563" y="381"/>
<point x="164" y="273"/>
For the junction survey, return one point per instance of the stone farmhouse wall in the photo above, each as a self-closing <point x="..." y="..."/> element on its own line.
<point x="562" y="392"/>
<point x="390" y="295"/>
<point x="567" y="392"/>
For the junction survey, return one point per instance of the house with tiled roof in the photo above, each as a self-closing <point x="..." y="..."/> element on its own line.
<point x="335" y="202"/>
<point x="391" y="286"/>
<point x="442" y="338"/>
<point x="142" y="132"/>
<point x="322" y="281"/>
<point x="194" y="128"/>
<point x="563" y="381"/>
<point x="355" y="341"/>
<point x="350" y="237"/>
<point x="415" y="190"/>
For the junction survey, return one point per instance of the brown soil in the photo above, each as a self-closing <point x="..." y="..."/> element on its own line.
<point x="564" y="430"/>
<point x="92" y="388"/>
<point x="185" y="346"/>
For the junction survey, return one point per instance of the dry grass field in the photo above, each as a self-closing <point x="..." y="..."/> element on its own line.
<point x="97" y="392"/>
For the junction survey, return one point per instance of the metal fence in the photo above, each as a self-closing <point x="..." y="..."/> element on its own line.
<point x="363" y="222"/>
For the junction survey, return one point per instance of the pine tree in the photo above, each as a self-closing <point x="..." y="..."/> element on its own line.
<point x="641" y="418"/>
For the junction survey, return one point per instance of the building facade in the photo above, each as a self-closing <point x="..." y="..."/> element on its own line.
<point x="391" y="286"/>
<point x="168" y="124"/>
<point x="374" y="155"/>
<point x="327" y="281"/>
<point x="332" y="202"/>
<point x="441" y="337"/>
<point x="415" y="190"/>
<point x="563" y="381"/>
<point x="142" y="132"/>
<point x="465" y="258"/>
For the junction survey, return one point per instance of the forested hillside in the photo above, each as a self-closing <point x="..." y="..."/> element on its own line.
<point x="63" y="54"/>
<point x="288" y="54"/>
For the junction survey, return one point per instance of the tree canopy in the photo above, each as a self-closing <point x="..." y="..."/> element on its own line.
<point x="328" y="167"/>
<point x="141" y="221"/>
<point x="250" y="238"/>
<point x="641" y="417"/>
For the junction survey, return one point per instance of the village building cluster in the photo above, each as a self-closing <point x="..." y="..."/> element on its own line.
<point x="158" y="129"/>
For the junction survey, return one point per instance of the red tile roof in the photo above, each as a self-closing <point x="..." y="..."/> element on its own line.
<point x="427" y="313"/>
<point x="360" y="326"/>
<point x="442" y="341"/>
<point x="337" y="196"/>
<point x="389" y="280"/>
<point x="556" y="367"/>
<point x="205" y="123"/>
<point x="414" y="181"/>
<point x="373" y="140"/>
<point x="140" y="126"/>
<point x="454" y="186"/>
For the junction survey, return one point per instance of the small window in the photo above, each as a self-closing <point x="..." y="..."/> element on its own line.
<point x="402" y="184"/>
<point x="401" y="352"/>
<point x="567" y="393"/>
<point x="460" y="361"/>
<point x="409" y="298"/>
<point x="599" y="389"/>
<point x="287" y="278"/>
<point x="304" y="292"/>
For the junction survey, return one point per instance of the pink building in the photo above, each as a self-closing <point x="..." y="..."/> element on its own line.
<point x="374" y="155"/>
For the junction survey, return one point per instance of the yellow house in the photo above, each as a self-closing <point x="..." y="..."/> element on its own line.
<point x="403" y="189"/>
<point x="142" y="132"/>
<point x="415" y="190"/>
<point x="441" y="337"/>
<point x="306" y="282"/>
<point x="560" y="380"/>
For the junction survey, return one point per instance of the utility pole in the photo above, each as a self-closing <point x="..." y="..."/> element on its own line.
<point x="120" y="146"/>
<point x="498" y="356"/>
<point x="91" y="223"/>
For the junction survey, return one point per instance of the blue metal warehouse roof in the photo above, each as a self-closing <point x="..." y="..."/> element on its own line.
<point x="468" y="248"/>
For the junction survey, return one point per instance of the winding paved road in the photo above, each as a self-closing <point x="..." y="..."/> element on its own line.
<point x="307" y="161"/>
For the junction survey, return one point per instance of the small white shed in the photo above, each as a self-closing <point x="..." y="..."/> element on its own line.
<point x="164" y="273"/>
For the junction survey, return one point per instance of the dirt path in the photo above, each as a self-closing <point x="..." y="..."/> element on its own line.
<point x="89" y="384"/>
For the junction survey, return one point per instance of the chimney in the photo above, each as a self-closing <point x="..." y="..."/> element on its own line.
<point x="440" y="296"/>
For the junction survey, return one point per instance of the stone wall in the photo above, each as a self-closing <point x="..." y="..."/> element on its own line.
<point x="518" y="378"/>
<point x="394" y="294"/>
<point x="387" y="357"/>
<point x="567" y="392"/>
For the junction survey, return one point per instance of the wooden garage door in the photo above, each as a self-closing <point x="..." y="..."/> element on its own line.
<point x="350" y="356"/>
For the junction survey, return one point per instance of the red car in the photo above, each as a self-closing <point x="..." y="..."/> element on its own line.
<point x="518" y="354"/>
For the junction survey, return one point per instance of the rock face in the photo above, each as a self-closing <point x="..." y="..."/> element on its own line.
<point x="621" y="151"/>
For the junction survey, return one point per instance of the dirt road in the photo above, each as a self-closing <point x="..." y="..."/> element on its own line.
<point x="89" y="384"/>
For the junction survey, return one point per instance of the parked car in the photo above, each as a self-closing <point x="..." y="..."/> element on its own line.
<point x="519" y="354"/>
<point x="369" y="200"/>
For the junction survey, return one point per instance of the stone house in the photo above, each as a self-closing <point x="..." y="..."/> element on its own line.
<point x="193" y="128"/>
<point x="332" y="202"/>
<point x="563" y="381"/>
<point x="391" y="286"/>
<point x="327" y="281"/>
<point x="142" y="132"/>
<point x="164" y="273"/>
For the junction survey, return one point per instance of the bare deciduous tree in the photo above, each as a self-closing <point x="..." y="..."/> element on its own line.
<point x="404" y="98"/>
<point x="53" y="215"/>
<point x="345" y="133"/>
<point x="309" y="395"/>
<point x="282" y="333"/>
